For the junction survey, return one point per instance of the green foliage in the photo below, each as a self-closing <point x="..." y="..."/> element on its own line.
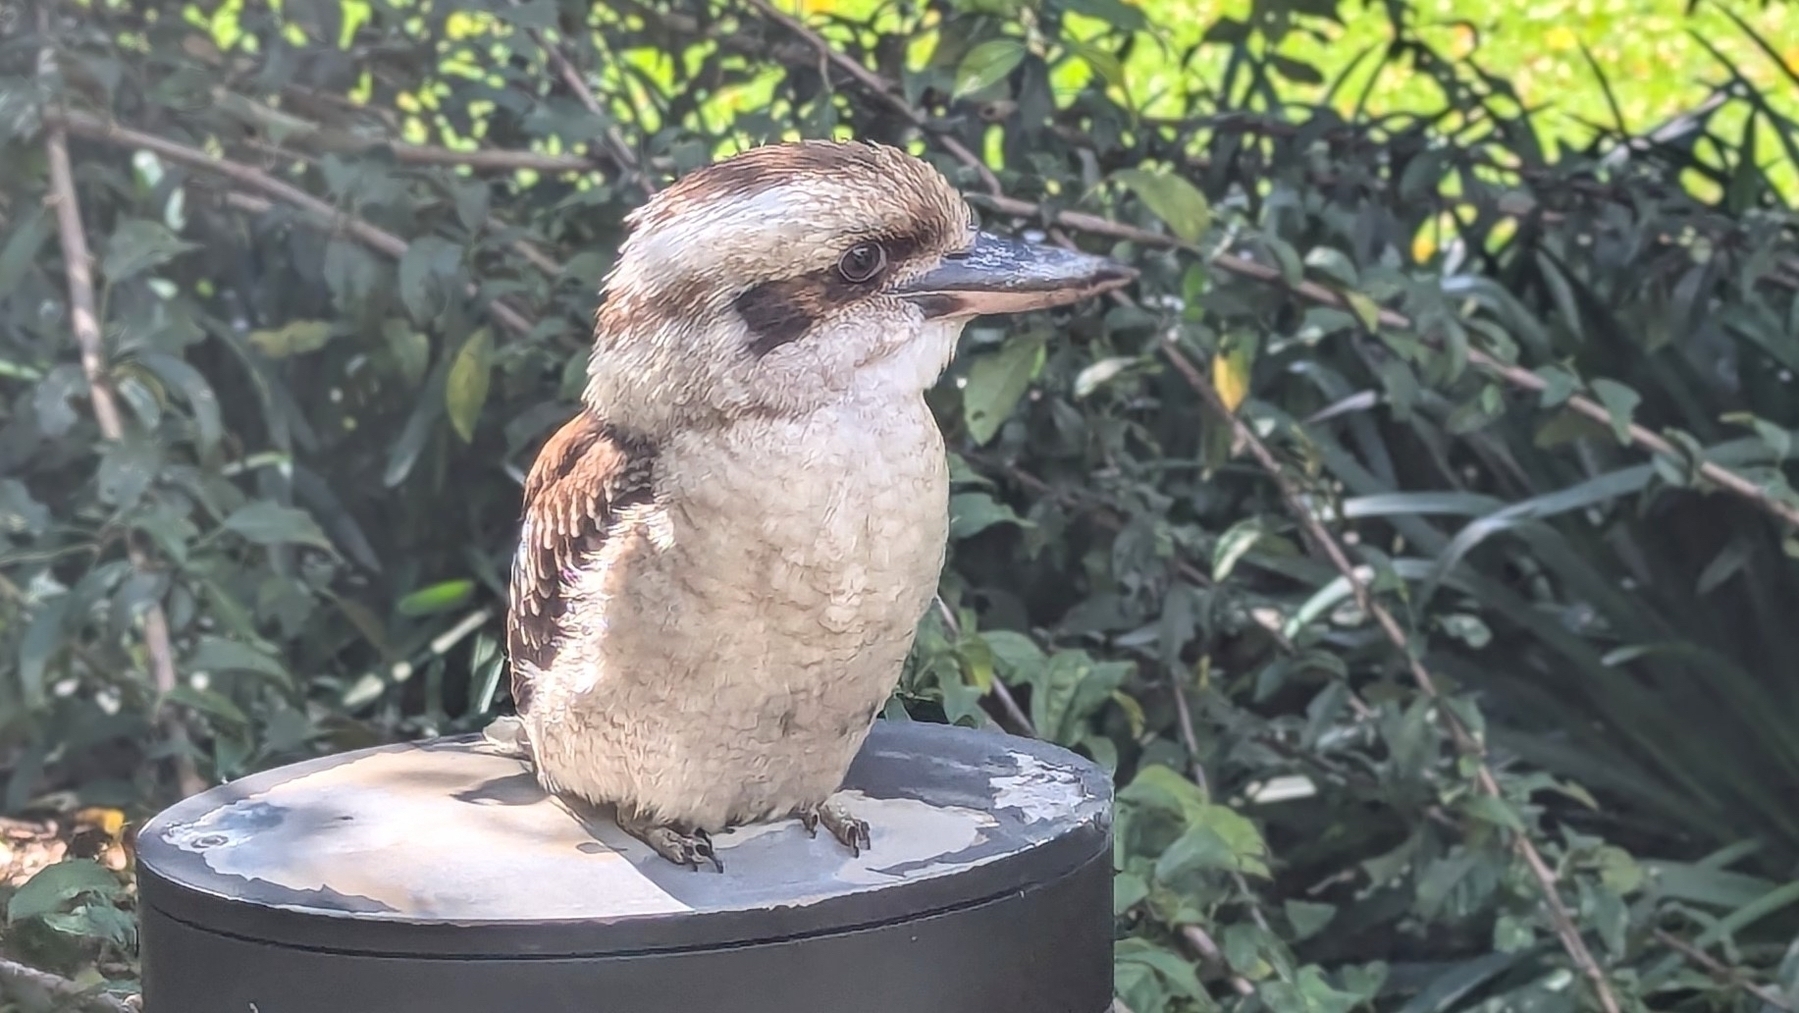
<point x="330" y="394"/>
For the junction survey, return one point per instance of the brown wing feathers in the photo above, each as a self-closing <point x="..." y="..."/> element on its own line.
<point x="582" y="478"/>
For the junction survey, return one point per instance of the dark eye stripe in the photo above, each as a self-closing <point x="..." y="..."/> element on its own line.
<point x="783" y="311"/>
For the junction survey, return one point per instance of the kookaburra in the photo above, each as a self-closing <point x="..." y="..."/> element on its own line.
<point x="725" y="555"/>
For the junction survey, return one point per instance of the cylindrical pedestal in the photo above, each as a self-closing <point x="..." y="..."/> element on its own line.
<point x="436" y="877"/>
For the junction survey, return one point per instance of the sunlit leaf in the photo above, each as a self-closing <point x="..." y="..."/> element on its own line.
<point x="1170" y="198"/>
<point x="987" y="64"/>
<point x="1230" y="374"/>
<point x="439" y="597"/>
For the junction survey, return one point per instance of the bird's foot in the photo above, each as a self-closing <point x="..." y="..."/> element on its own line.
<point x="507" y="735"/>
<point x="851" y="832"/>
<point x="682" y="847"/>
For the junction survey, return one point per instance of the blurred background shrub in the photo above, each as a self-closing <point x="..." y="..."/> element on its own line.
<point x="1452" y="669"/>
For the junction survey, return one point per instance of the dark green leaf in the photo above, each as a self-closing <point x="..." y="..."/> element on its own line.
<point x="56" y="885"/>
<point x="127" y="468"/>
<point x="1307" y="918"/>
<point x="973" y="512"/>
<point x="429" y="271"/>
<point x="269" y="523"/>
<point x="207" y="701"/>
<point x="22" y="244"/>
<point x="193" y="386"/>
<point x="995" y="383"/>
<point x="1620" y="402"/>
<point x="137" y="245"/>
<point x="216" y="654"/>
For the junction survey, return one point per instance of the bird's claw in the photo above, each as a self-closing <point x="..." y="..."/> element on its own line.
<point x="851" y="832"/>
<point x="682" y="847"/>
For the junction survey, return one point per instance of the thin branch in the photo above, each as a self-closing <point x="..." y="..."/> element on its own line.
<point x="283" y="128"/>
<point x="1009" y="704"/>
<point x="94" y="128"/>
<point x="1722" y="972"/>
<point x="1082" y="221"/>
<point x="57" y="985"/>
<point x="524" y="248"/>
<point x="1566" y="930"/>
<point x="1202" y="943"/>
<point x="881" y="89"/>
<point x="1311" y="291"/>
<point x="1518" y="376"/>
<point x="1000" y="691"/>
<point x="1188" y="737"/>
<point x="84" y="321"/>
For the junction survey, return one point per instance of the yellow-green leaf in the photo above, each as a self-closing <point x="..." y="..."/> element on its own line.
<point x="465" y="389"/>
<point x="439" y="597"/>
<point x="986" y="64"/>
<point x="1233" y="545"/>
<point x="1366" y="310"/>
<point x="1230" y="374"/>
<point x="976" y="659"/>
<point x="296" y="337"/>
<point x="1170" y="198"/>
<point x="1133" y="711"/>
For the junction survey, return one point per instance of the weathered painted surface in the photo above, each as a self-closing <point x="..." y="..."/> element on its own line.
<point x="458" y="831"/>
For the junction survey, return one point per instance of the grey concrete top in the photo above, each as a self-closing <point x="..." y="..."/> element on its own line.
<point x="417" y="846"/>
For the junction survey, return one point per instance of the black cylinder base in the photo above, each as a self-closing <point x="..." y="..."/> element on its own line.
<point x="329" y="888"/>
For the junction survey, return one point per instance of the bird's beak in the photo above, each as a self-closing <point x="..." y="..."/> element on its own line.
<point x="1000" y="275"/>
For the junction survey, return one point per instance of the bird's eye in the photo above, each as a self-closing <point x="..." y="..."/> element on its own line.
<point x="862" y="262"/>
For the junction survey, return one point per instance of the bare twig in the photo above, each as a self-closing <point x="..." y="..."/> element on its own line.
<point x="1188" y="738"/>
<point x="84" y="320"/>
<point x="880" y="88"/>
<point x="1202" y="943"/>
<point x="1000" y="691"/>
<point x="94" y="128"/>
<point x="1009" y="704"/>
<point x="1721" y="971"/>
<point x="62" y="988"/>
<point x="524" y="248"/>
<point x="288" y="128"/>
<point x="1081" y="221"/>
<point x="1566" y="930"/>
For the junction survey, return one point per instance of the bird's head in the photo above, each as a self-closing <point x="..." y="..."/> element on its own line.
<point x="792" y="275"/>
